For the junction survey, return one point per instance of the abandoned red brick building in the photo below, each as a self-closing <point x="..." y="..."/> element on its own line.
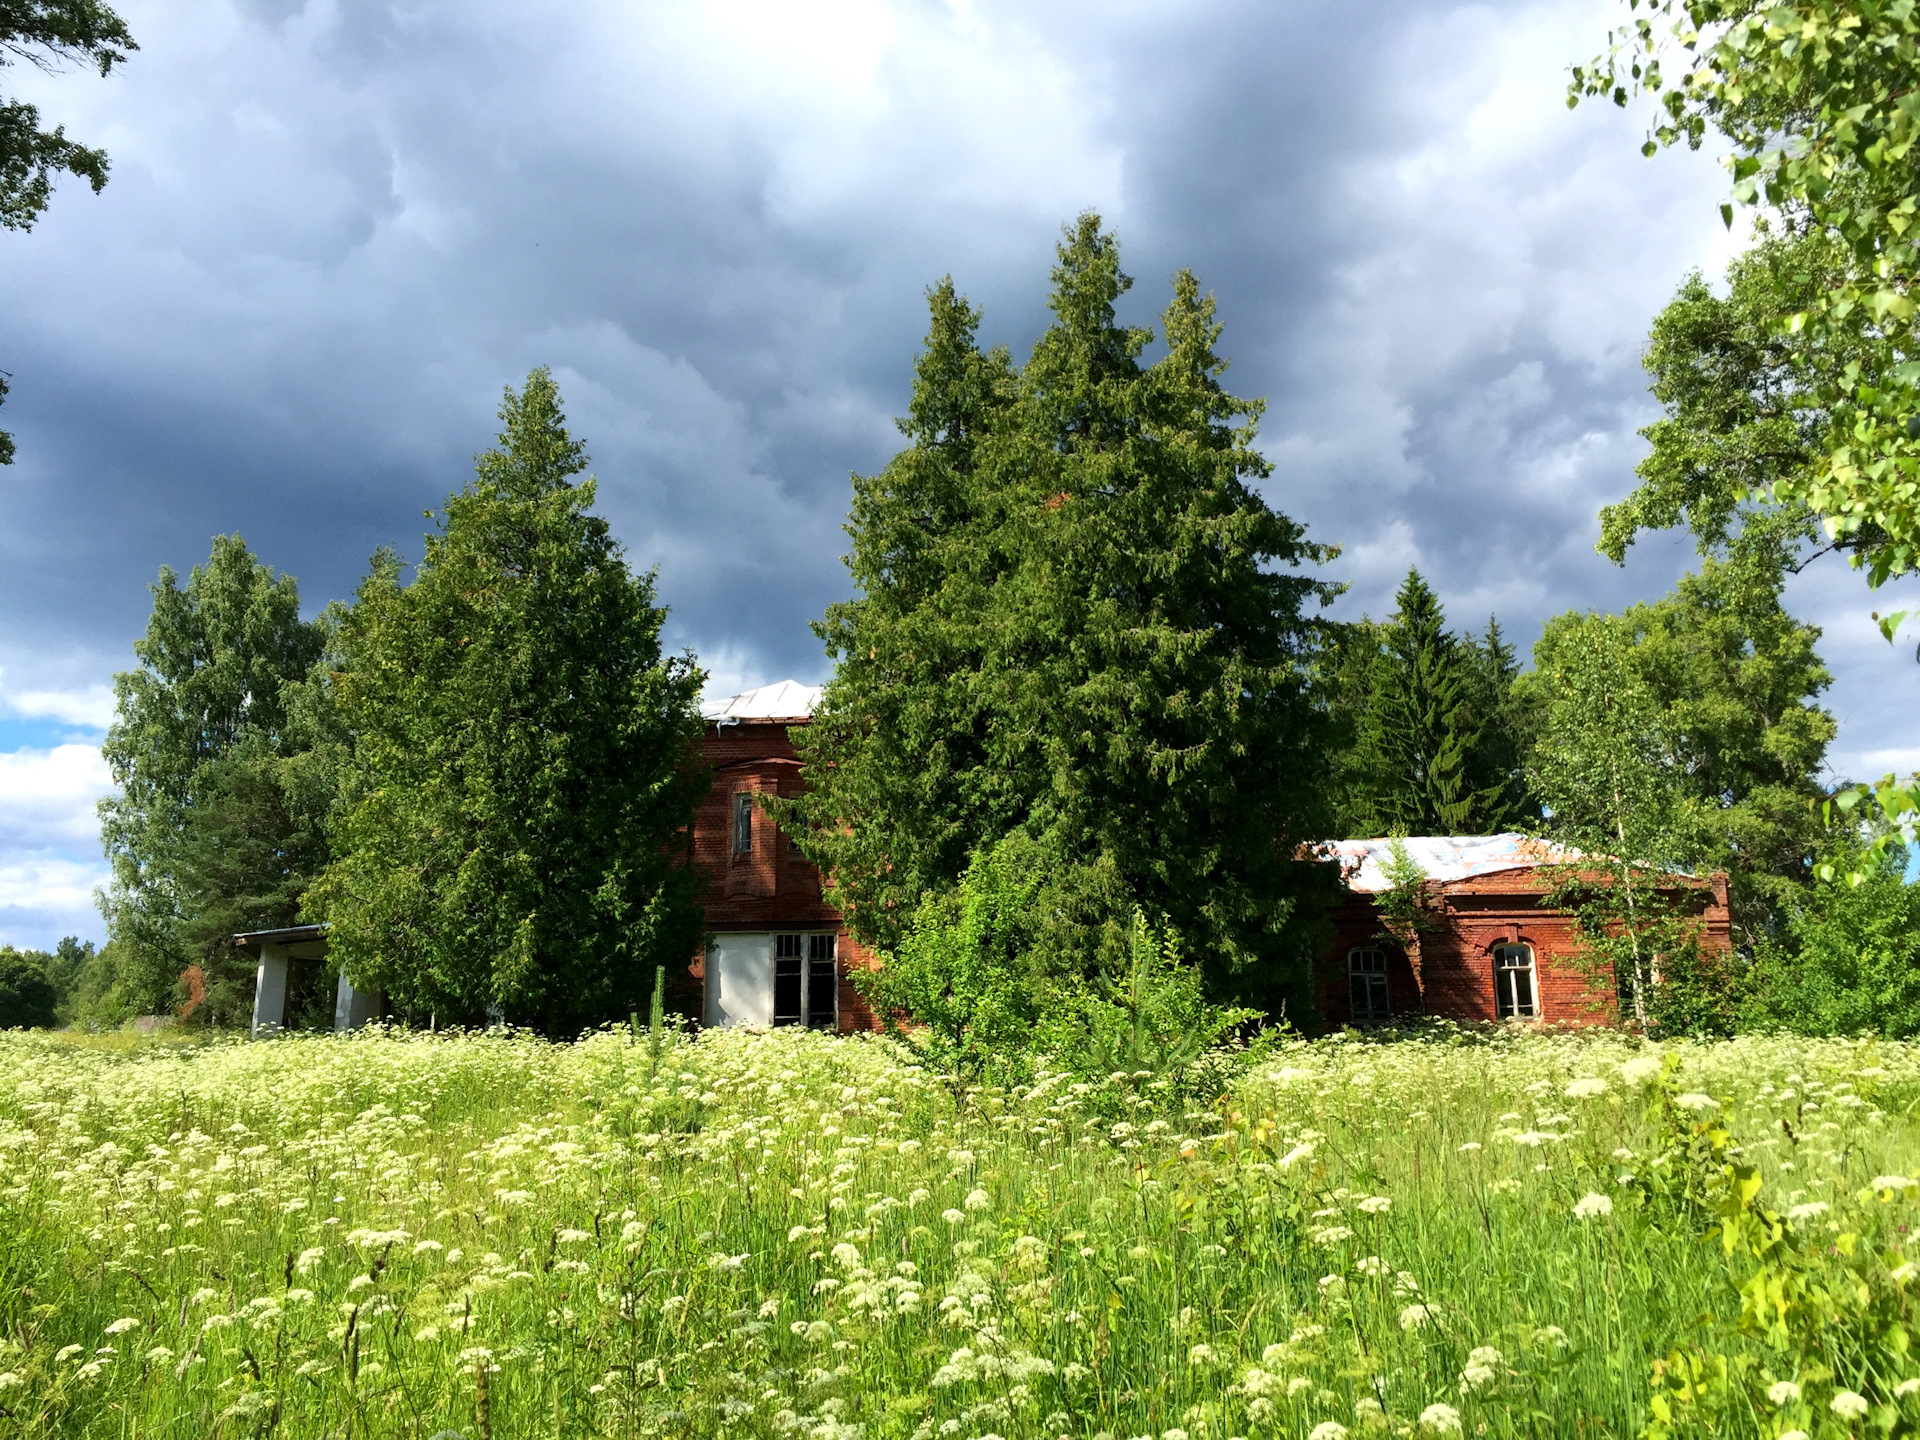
<point x="1498" y="949"/>
<point x="777" y="953"/>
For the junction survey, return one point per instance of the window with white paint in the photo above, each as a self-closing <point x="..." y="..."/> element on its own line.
<point x="806" y="981"/>
<point x="1367" y="986"/>
<point x="1515" y="994"/>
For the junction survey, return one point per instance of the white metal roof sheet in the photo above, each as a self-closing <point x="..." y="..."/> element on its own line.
<point x="1443" y="857"/>
<point x="782" y="700"/>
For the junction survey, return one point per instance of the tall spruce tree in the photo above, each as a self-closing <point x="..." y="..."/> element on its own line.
<point x="1123" y="650"/>
<point x="1418" y="765"/>
<point x="902" y="740"/>
<point x="511" y="829"/>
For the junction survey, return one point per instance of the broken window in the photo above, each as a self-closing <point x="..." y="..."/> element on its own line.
<point x="806" y="981"/>
<point x="742" y="822"/>
<point x="1367" y="986"/>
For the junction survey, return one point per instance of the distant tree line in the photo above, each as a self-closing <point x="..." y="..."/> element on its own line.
<point x="1088" y="714"/>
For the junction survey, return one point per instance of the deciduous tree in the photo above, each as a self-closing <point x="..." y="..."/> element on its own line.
<point x="207" y="705"/>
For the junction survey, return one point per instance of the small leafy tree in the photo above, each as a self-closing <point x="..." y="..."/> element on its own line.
<point x="511" y="829"/>
<point x="1600" y="768"/>
<point x="1849" y="961"/>
<point x="1152" y="1020"/>
<point x="959" y="989"/>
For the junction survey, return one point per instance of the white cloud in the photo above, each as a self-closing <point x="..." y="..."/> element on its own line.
<point x="47" y="798"/>
<point x="44" y="897"/>
<point x="91" y="708"/>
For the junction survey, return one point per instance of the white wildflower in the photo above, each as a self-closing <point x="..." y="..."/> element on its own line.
<point x="1442" y="1418"/>
<point x="1783" y="1392"/>
<point x="1696" y="1102"/>
<point x="1585" y="1087"/>
<point x="1376" y="1205"/>
<point x="1640" y="1069"/>
<point x="1906" y="1388"/>
<point x="120" y="1327"/>
<point x="1328" y="1430"/>
<point x="1849" y="1405"/>
<point x="977" y="1200"/>
<point x="1592" y="1205"/>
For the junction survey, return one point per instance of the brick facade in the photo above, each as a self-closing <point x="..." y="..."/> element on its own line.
<point x="771" y="889"/>
<point x="766" y="900"/>
<point x="1449" y="972"/>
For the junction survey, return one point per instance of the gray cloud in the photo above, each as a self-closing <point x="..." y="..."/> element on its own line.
<point x="335" y="230"/>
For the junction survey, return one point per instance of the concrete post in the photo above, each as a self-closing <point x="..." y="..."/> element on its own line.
<point x="353" y="1007"/>
<point x="270" y="991"/>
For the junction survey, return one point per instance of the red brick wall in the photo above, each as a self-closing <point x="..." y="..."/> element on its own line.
<point x="773" y="887"/>
<point x="1450" y="973"/>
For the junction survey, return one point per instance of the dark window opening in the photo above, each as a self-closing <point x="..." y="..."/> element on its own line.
<point x="742" y="823"/>
<point x="789" y="982"/>
<point x="1367" y="986"/>
<point x="823" y="983"/>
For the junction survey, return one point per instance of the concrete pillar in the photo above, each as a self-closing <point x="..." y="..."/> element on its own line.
<point x="270" y="991"/>
<point x="353" y="1007"/>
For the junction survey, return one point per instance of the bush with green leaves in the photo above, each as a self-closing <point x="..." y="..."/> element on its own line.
<point x="26" y="994"/>
<point x="1850" y="961"/>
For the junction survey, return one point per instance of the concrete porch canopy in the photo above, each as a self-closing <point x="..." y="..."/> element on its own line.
<point x="277" y="950"/>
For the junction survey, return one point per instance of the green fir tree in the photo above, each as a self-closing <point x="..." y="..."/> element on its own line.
<point x="512" y="828"/>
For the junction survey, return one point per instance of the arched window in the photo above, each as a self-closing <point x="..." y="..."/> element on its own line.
<point x="1367" y="986"/>
<point x="1515" y="995"/>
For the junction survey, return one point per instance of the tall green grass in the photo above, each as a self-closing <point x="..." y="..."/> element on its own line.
<point x="801" y="1235"/>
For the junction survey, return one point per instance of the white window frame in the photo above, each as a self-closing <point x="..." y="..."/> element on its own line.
<point x="1369" y="998"/>
<point x="1506" y="973"/>
<point x="812" y="950"/>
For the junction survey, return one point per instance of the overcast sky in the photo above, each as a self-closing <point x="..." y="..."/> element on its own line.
<point x="335" y="231"/>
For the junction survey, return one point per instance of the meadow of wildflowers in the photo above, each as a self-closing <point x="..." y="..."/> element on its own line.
<point x="804" y="1235"/>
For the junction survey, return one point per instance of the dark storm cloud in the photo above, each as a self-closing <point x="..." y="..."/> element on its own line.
<point x="336" y="230"/>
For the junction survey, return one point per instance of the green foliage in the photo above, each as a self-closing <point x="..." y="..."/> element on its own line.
<point x="1739" y="419"/>
<point x="1079" y="620"/>
<point x="959" y="989"/>
<point x="1811" y="1325"/>
<point x="511" y="827"/>
<point x="1727" y="743"/>
<point x="27" y="996"/>
<point x="50" y="34"/>
<point x="1151" y="1022"/>
<point x="1600" y="766"/>
<point x="1436" y="737"/>
<point x="224" y="779"/>
<point x="1405" y="914"/>
<point x="1816" y="100"/>
<point x="1849" y="960"/>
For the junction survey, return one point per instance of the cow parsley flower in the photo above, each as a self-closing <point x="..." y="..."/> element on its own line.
<point x="1783" y="1392"/>
<point x="1442" y="1418"/>
<point x="1849" y="1405"/>
<point x="1592" y="1205"/>
<point x="1585" y="1087"/>
<point x="1696" y="1102"/>
<point x="1906" y="1388"/>
<point x="121" y="1326"/>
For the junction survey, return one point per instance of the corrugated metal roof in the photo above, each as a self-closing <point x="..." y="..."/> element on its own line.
<point x="1443" y="857"/>
<point x="782" y="700"/>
